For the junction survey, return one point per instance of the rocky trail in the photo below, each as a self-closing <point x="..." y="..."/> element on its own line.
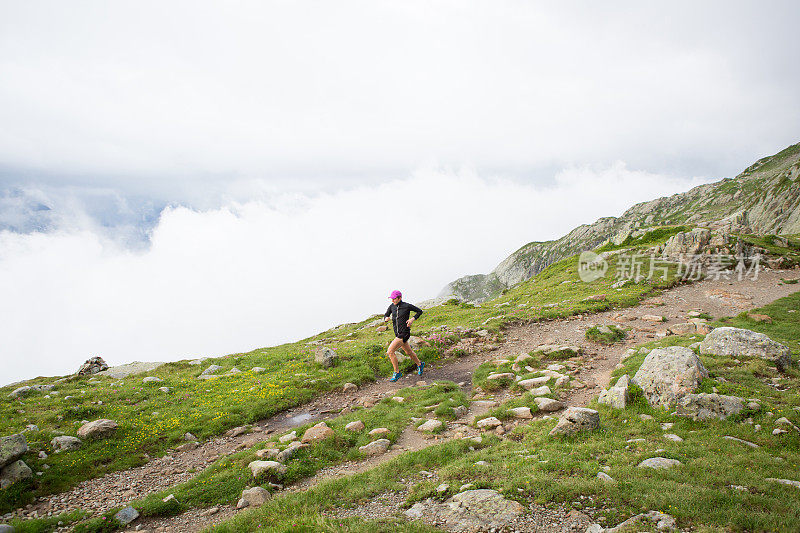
<point x="716" y="297"/>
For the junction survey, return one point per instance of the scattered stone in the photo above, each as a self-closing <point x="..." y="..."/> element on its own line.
<point x="255" y="497"/>
<point x="189" y="436"/>
<point x="740" y="441"/>
<point x="290" y="450"/>
<point x="470" y="510"/>
<point x="152" y="379"/>
<point x="268" y="453"/>
<point x="317" y="433"/>
<point x="259" y="468"/>
<point x="430" y="425"/>
<point x="460" y="411"/>
<point x="668" y="374"/>
<point x="685" y="328"/>
<point x="289" y="437"/>
<point x="355" y="425"/>
<point x="617" y="396"/>
<point x="488" y="423"/>
<point x="673" y="437"/>
<point x="548" y="405"/>
<point x="576" y="419"/>
<point x="326" y="357"/>
<point x="97" y="429"/>
<point x="13" y="472"/>
<point x="531" y="383"/>
<point x="653" y="318"/>
<point x="737" y="342"/>
<point x="544" y="390"/>
<point x="379" y="431"/>
<point x="187" y="446"/>
<point x="210" y="511"/>
<point x="349" y="387"/>
<point x="164" y="389"/>
<point x="12" y="448"/>
<point x="790" y="482"/>
<point x="127" y="515"/>
<point x="169" y="498"/>
<point x="237" y="431"/>
<point x="375" y="447"/>
<point x="661" y="521"/>
<point x="705" y="406"/>
<point x="521" y="412"/>
<point x="602" y="476"/>
<point x="441" y="489"/>
<point x="398" y="399"/>
<point x="211" y="370"/>
<point x="65" y="443"/>
<point x="645" y="418"/>
<point x="659" y="463"/>
<point x="504" y="375"/>
<point x="595" y="298"/>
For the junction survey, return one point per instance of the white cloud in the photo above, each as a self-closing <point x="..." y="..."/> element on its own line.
<point x="263" y="272"/>
<point x="206" y="91"/>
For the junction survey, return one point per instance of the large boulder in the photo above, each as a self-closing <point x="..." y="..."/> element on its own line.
<point x="705" y="406"/>
<point x="668" y="374"/>
<point x="25" y="390"/>
<point x="471" y="510"/>
<point x="575" y="420"/>
<point x="12" y="448"/>
<point x="254" y="497"/>
<point x="738" y="342"/>
<point x="65" y="443"/>
<point x="126" y="515"/>
<point x="97" y="429"/>
<point x="16" y="471"/>
<point x="326" y="357"/>
<point x="617" y="396"/>
<point x="92" y="366"/>
<point x="319" y="432"/>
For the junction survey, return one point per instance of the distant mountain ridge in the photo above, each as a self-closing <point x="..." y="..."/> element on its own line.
<point x="763" y="199"/>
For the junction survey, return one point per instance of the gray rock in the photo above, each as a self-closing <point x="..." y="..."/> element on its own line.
<point x="130" y="369"/>
<point x="548" y="405"/>
<point x="521" y="412"/>
<point x="92" y="366"/>
<point x="152" y="379"/>
<point x="661" y="521"/>
<point x="326" y="357"/>
<point x="668" y="374"/>
<point x="737" y="342"/>
<point x="490" y="422"/>
<point x="127" y="515"/>
<point x="532" y="383"/>
<point x="256" y="496"/>
<point x="602" y="476"/>
<point x="12" y="448"/>
<point x="617" y="396"/>
<point x="544" y="390"/>
<point x="789" y="482"/>
<point x="16" y="471"/>
<point x="355" y="425"/>
<point x="319" y="432"/>
<point x="65" y="443"/>
<point x="659" y="463"/>
<point x="97" y="429"/>
<point x="705" y="406"/>
<point x="258" y="370"/>
<point x="575" y="420"/>
<point x="376" y="447"/>
<point x="211" y="370"/>
<point x="272" y="468"/>
<point x="471" y="510"/>
<point x="740" y="441"/>
<point x="430" y="425"/>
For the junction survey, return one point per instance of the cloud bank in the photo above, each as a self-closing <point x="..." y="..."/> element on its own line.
<point x="259" y="273"/>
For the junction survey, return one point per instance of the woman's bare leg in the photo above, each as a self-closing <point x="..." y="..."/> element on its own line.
<point x="410" y="352"/>
<point x="395" y="344"/>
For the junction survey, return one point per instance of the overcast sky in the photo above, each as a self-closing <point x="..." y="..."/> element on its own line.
<point x="190" y="178"/>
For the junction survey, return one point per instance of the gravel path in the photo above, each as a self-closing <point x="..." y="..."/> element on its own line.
<point x="718" y="298"/>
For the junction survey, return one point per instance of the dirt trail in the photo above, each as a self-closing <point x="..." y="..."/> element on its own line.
<point x="717" y="298"/>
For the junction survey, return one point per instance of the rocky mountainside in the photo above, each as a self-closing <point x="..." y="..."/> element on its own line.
<point x="764" y="199"/>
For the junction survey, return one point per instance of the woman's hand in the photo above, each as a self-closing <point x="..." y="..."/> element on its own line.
<point x="410" y="321"/>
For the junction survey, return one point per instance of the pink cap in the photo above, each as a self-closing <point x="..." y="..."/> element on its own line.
<point x="396" y="294"/>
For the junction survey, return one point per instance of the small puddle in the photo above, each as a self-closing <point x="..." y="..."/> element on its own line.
<point x="297" y="420"/>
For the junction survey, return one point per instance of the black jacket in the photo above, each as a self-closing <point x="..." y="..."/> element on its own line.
<point x="400" y="314"/>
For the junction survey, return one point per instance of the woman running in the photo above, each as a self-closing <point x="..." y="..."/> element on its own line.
<point x="400" y="311"/>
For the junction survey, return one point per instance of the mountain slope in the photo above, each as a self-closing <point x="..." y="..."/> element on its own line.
<point x="763" y="199"/>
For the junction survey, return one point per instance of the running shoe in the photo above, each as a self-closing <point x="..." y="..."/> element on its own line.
<point x="420" y="367"/>
<point x="396" y="376"/>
